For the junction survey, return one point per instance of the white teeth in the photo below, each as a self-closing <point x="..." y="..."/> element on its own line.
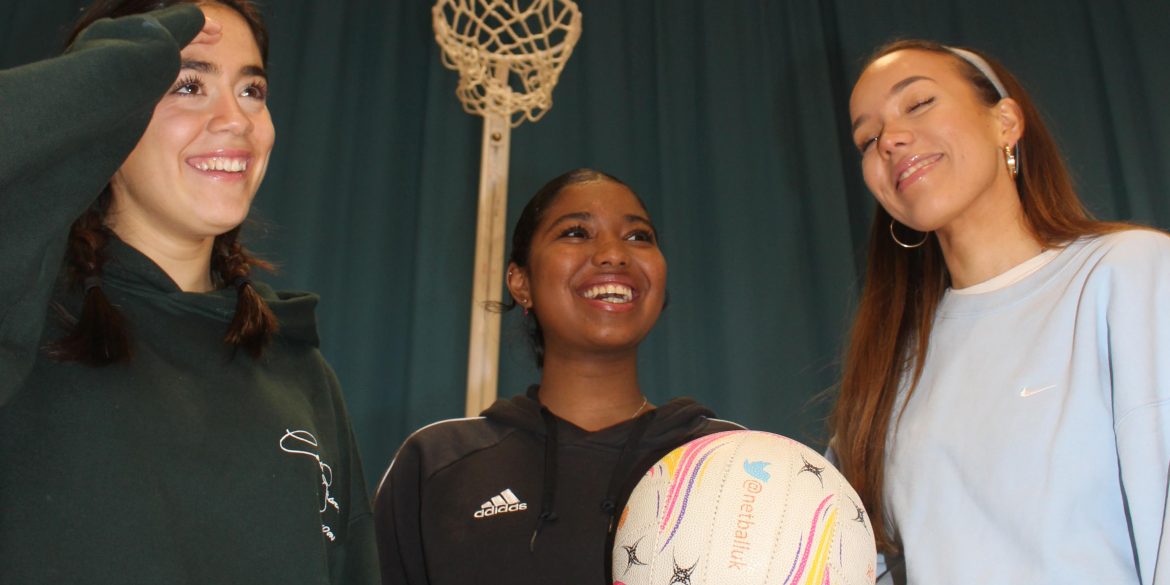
<point x="914" y="168"/>
<point x="610" y="293"/>
<point x="229" y="165"/>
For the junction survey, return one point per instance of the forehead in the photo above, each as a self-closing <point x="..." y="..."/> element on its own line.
<point x="598" y="198"/>
<point x="237" y="43"/>
<point x="880" y="77"/>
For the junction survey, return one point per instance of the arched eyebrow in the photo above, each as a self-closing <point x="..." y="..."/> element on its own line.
<point x="897" y="87"/>
<point x="584" y="216"/>
<point x="213" y="69"/>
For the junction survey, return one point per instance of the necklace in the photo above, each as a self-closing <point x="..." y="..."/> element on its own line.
<point x="645" y="401"/>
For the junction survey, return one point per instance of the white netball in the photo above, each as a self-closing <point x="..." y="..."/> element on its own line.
<point x="743" y="508"/>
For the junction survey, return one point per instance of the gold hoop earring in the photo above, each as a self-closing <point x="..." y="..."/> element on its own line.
<point x="925" y="236"/>
<point x="1009" y="156"/>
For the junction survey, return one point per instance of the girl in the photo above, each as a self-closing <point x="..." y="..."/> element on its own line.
<point x="163" y="417"/>
<point x="527" y="493"/>
<point x="1005" y="401"/>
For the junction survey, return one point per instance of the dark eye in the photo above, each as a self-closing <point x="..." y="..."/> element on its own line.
<point x="641" y="236"/>
<point x="188" y="86"/>
<point x="919" y="104"/>
<point x="257" y="91"/>
<point x="575" y="231"/>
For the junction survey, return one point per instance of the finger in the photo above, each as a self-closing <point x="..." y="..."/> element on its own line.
<point x="210" y="34"/>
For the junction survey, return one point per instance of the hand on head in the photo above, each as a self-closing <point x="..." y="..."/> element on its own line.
<point x="210" y="34"/>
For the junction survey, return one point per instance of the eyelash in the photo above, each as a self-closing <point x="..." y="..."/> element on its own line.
<point x="919" y="104"/>
<point x="260" y="88"/>
<point x="576" y="231"/>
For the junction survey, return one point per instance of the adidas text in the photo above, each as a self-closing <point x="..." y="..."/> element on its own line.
<point x="503" y="503"/>
<point x="486" y="512"/>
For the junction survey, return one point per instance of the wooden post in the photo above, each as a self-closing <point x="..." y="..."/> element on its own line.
<point x="483" y="357"/>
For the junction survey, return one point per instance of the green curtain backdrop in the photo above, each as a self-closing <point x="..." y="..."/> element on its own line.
<point x="728" y="116"/>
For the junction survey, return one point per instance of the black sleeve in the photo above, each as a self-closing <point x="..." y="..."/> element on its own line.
<point x="66" y="124"/>
<point x="397" y="520"/>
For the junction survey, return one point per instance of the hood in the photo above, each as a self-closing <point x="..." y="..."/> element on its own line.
<point x="133" y="272"/>
<point x="673" y="420"/>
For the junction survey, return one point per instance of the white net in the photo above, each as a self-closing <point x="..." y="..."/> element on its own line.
<point x="509" y="53"/>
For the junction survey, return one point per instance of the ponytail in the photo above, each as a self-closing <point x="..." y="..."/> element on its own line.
<point x="254" y="323"/>
<point x="99" y="336"/>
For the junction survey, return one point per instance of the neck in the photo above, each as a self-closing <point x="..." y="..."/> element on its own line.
<point x="592" y="393"/>
<point x="187" y="262"/>
<point x="989" y="240"/>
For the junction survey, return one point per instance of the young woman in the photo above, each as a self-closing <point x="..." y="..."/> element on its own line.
<point x="527" y="493"/>
<point x="163" y="418"/>
<point x="1005" y="407"/>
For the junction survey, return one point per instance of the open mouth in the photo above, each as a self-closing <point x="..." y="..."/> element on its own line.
<point x="916" y="170"/>
<point x="610" y="293"/>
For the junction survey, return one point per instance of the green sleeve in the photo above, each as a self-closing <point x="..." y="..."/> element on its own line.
<point x="66" y="124"/>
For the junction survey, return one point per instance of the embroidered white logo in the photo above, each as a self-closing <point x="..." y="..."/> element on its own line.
<point x="1026" y="392"/>
<point x="304" y="443"/>
<point x="501" y="504"/>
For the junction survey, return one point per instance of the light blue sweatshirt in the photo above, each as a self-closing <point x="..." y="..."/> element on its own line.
<point x="1036" y="447"/>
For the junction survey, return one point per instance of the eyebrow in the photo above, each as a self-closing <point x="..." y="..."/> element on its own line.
<point x="897" y="87"/>
<point x="213" y="69"/>
<point x="586" y="216"/>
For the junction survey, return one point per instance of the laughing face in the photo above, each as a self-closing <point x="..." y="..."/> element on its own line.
<point x="931" y="148"/>
<point x="595" y="278"/>
<point x="195" y="170"/>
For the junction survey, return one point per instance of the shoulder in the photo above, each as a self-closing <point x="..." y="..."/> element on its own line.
<point x="1138" y="247"/>
<point x="442" y="443"/>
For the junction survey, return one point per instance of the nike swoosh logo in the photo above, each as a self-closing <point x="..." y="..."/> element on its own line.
<point x="1026" y="392"/>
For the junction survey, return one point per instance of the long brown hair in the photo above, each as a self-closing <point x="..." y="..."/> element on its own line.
<point x="100" y="335"/>
<point x="902" y="290"/>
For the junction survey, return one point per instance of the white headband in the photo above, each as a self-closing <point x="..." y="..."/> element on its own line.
<point x="981" y="64"/>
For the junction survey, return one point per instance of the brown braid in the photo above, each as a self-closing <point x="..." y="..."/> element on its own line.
<point x="254" y="323"/>
<point x="99" y="336"/>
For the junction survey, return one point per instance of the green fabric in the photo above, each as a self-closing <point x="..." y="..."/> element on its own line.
<point x="191" y="463"/>
<point x="728" y="117"/>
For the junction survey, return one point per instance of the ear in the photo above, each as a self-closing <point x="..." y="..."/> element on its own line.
<point x="1011" y="121"/>
<point x="516" y="278"/>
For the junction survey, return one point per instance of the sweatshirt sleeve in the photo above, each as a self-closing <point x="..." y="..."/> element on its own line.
<point x="66" y="124"/>
<point x="397" y="506"/>
<point x="1137" y="355"/>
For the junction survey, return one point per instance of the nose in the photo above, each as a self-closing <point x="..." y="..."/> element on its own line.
<point x="610" y="252"/>
<point x="894" y="138"/>
<point x="228" y="115"/>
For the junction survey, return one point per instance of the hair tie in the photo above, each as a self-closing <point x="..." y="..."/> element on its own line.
<point x="91" y="282"/>
<point x="983" y="66"/>
<point x="240" y="281"/>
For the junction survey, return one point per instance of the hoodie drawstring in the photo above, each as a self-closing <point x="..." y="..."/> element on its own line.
<point x="549" y="485"/>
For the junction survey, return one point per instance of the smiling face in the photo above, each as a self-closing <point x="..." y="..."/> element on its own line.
<point x="931" y="149"/>
<point x="197" y="167"/>
<point x="595" y="276"/>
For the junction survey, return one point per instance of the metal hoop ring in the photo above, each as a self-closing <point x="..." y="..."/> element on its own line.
<point x="925" y="236"/>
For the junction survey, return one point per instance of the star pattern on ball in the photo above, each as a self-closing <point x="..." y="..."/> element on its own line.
<point x="632" y="555"/>
<point x="813" y="469"/>
<point x="682" y="576"/>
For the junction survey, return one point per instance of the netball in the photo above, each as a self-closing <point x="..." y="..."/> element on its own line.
<point x="743" y="508"/>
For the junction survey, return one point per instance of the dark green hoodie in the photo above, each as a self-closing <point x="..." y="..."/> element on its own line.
<point x="191" y="463"/>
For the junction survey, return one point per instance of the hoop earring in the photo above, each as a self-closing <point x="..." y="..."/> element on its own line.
<point x="925" y="236"/>
<point x="1009" y="156"/>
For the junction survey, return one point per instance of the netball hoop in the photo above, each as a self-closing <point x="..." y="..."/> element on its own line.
<point x="509" y="55"/>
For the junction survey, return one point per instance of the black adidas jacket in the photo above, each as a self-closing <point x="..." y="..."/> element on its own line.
<point x="500" y="499"/>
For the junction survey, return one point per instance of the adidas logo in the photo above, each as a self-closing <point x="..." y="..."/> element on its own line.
<point x="501" y="504"/>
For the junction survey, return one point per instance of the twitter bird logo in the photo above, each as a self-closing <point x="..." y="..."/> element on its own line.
<point x="756" y="470"/>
